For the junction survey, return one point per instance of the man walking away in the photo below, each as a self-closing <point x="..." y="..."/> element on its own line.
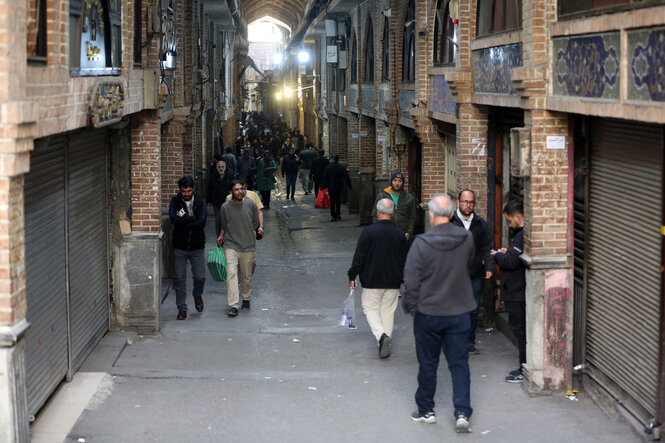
<point x="306" y="156"/>
<point x="219" y="186"/>
<point x="240" y="224"/>
<point x="335" y="177"/>
<point x="438" y="294"/>
<point x="265" y="177"/>
<point x="405" y="205"/>
<point x="290" y="170"/>
<point x="318" y="166"/>
<point x="379" y="261"/>
<point x="188" y="213"/>
<point x="247" y="168"/>
<point x="231" y="163"/>
<point x="513" y="283"/>
<point x="483" y="263"/>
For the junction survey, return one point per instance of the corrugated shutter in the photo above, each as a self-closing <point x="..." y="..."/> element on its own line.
<point x="88" y="268"/>
<point x="623" y="298"/>
<point x="45" y="270"/>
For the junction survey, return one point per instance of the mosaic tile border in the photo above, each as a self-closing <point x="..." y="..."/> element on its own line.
<point x="491" y="68"/>
<point x="646" y="65"/>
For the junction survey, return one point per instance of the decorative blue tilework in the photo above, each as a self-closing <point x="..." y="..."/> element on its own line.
<point x="441" y="99"/>
<point x="491" y="68"/>
<point x="368" y="97"/>
<point x="587" y="66"/>
<point x="646" y="52"/>
<point x="352" y="103"/>
<point x="406" y="98"/>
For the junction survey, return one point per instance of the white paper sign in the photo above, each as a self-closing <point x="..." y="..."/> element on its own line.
<point x="354" y="135"/>
<point x="556" y="142"/>
<point x="363" y="133"/>
<point x="381" y="138"/>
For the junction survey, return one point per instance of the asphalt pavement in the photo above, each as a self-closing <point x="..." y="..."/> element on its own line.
<point x="284" y="371"/>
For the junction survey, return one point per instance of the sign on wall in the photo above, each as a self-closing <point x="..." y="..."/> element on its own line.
<point x="107" y="104"/>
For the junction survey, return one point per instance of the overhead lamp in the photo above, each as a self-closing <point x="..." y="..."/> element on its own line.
<point x="288" y="92"/>
<point x="303" y="56"/>
<point x="277" y="58"/>
<point x="278" y="96"/>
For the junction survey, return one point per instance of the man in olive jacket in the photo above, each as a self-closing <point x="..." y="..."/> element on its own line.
<point x="404" y="215"/>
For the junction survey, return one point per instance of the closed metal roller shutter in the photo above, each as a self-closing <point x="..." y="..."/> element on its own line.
<point x="45" y="270"/>
<point x="623" y="297"/>
<point x="88" y="267"/>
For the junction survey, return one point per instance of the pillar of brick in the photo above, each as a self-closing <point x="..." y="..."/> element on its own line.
<point x="17" y="131"/>
<point x="342" y="138"/>
<point x="353" y="160"/>
<point x="434" y="158"/>
<point x="172" y="161"/>
<point x="472" y="153"/>
<point x="367" y="137"/>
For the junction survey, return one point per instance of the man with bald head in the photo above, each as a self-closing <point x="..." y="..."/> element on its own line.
<point x="379" y="261"/>
<point x="437" y="292"/>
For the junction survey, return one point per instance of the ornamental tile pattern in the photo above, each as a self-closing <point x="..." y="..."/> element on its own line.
<point x="587" y="66"/>
<point x="491" y="68"/>
<point x="368" y="97"/>
<point x="352" y="102"/>
<point x="406" y="99"/>
<point x="441" y="99"/>
<point x="646" y="65"/>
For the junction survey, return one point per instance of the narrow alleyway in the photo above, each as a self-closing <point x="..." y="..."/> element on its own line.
<point x="284" y="372"/>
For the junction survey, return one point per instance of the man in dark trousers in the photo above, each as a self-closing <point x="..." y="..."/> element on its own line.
<point x="188" y="212"/>
<point x="290" y="171"/>
<point x="483" y="263"/>
<point x="219" y="186"/>
<point x="379" y="261"/>
<point x="405" y="205"/>
<point x="513" y="282"/>
<point x="437" y="292"/>
<point x="335" y="177"/>
<point x="231" y="163"/>
<point x="318" y="167"/>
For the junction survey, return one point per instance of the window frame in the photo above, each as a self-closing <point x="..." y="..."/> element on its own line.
<point x="409" y="44"/>
<point x="368" y="77"/>
<point x="496" y="14"/>
<point x="385" y="62"/>
<point x="609" y="9"/>
<point x="111" y="19"/>
<point x="354" y="60"/>
<point x="40" y="54"/>
<point x="138" y="33"/>
<point x="444" y="52"/>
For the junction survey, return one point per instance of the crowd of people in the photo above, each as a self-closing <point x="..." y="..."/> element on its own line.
<point x="439" y="273"/>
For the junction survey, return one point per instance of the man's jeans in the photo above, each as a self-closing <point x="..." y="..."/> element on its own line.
<point x="197" y="262"/>
<point x="291" y="185"/>
<point x="477" y="286"/>
<point x="239" y="267"/>
<point x="450" y="333"/>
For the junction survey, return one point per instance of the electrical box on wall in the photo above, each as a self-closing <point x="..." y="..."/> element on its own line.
<point x="150" y="88"/>
<point x="341" y="60"/>
<point x="520" y="152"/>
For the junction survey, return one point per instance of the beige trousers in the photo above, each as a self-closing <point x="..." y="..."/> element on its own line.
<point x="379" y="307"/>
<point x="239" y="267"/>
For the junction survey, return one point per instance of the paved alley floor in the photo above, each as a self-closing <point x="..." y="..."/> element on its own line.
<point x="284" y="372"/>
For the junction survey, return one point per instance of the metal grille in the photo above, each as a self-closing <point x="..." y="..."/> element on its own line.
<point x="623" y="298"/>
<point x="45" y="261"/>
<point x="88" y="268"/>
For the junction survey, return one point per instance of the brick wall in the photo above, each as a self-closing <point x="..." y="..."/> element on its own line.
<point x="342" y="139"/>
<point x="145" y="172"/>
<point x="12" y="251"/>
<point x="367" y="144"/>
<point x="472" y="152"/>
<point x="172" y="161"/>
<point x="353" y="147"/>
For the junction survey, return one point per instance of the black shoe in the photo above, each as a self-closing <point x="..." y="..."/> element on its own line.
<point x="473" y="350"/>
<point x="428" y="417"/>
<point x="462" y="424"/>
<point x="182" y="314"/>
<point x="293" y="198"/>
<point x="233" y="312"/>
<point x="333" y="219"/>
<point x="385" y="343"/>
<point x="198" y="303"/>
<point x="517" y="371"/>
<point x="338" y="217"/>
<point x="515" y="377"/>
<point x="245" y="304"/>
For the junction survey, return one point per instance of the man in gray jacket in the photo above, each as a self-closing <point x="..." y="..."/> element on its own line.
<point x="437" y="292"/>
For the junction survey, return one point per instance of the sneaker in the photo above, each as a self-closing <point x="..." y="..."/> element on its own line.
<point x="473" y="350"/>
<point x="233" y="312"/>
<point x="293" y="198"/>
<point x="182" y="314"/>
<point x="333" y="219"/>
<point x="428" y="417"/>
<point x="514" y="377"/>
<point x="198" y="303"/>
<point x="385" y="343"/>
<point x="462" y="424"/>
<point x="245" y="304"/>
<point x="517" y="371"/>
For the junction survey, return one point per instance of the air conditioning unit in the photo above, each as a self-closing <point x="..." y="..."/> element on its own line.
<point x="520" y="152"/>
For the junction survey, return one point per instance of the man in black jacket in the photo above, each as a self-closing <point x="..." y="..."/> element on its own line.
<point x="335" y="177"/>
<point x="187" y="212"/>
<point x="290" y="171"/>
<point x="219" y="186"/>
<point x="437" y="292"/>
<point x="513" y="282"/>
<point x="379" y="261"/>
<point x="483" y="263"/>
<point x="318" y="167"/>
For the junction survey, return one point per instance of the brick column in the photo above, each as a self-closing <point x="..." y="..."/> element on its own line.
<point x="434" y="159"/>
<point x="353" y="160"/>
<point x="472" y="153"/>
<point x="172" y="161"/>
<point x="367" y="137"/>
<point x="146" y="171"/>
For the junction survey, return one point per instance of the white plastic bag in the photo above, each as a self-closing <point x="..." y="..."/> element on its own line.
<point x="349" y="311"/>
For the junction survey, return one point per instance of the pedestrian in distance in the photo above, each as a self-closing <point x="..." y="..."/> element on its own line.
<point x="247" y="168"/>
<point x="437" y="292"/>
<point x="379" y="262"/>
<point x="335" y="177"/>
<point x="306" y="157"/>
<point x="404" y="215"/>
<point x="513" y="282"/>
<point x="231" y="163"/>
<point x="318" y="167"/>
<point x="265" y="177"/>
<point x="483" y="263"/>
<point x="290" y="171"/>
<point x="240" y="226"/>
<point x="188" y="212"/>
<point x="219" y="186"/>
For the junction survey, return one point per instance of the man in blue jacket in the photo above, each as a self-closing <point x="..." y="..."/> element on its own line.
<point x="379" y="261"/>
<point x="513" y="282"/>
<point x="188" y="212"/>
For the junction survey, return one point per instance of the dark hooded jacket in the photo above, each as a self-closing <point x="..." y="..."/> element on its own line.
<point x="436" y="275"/>
<point x="482" y="241"/>
<point x="513" y="281"/>
<point x="188" y="231"/>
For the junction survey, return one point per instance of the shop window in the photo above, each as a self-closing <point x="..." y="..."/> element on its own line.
<point x="385" y="64"/>
<point x="138" y="32"/>
<point x="577" y="7"/>
<point x="409" y="45"/>
<point x="369" y="52"/>
<point x="95" y="39"/>
<point x="445" y="35"/>
<point x="354" y="60"/>
<point x="37" y="30"/>
<point x="498" y="16"/>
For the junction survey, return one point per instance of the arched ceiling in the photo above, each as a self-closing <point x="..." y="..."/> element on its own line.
<point x="288" y="11"/>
